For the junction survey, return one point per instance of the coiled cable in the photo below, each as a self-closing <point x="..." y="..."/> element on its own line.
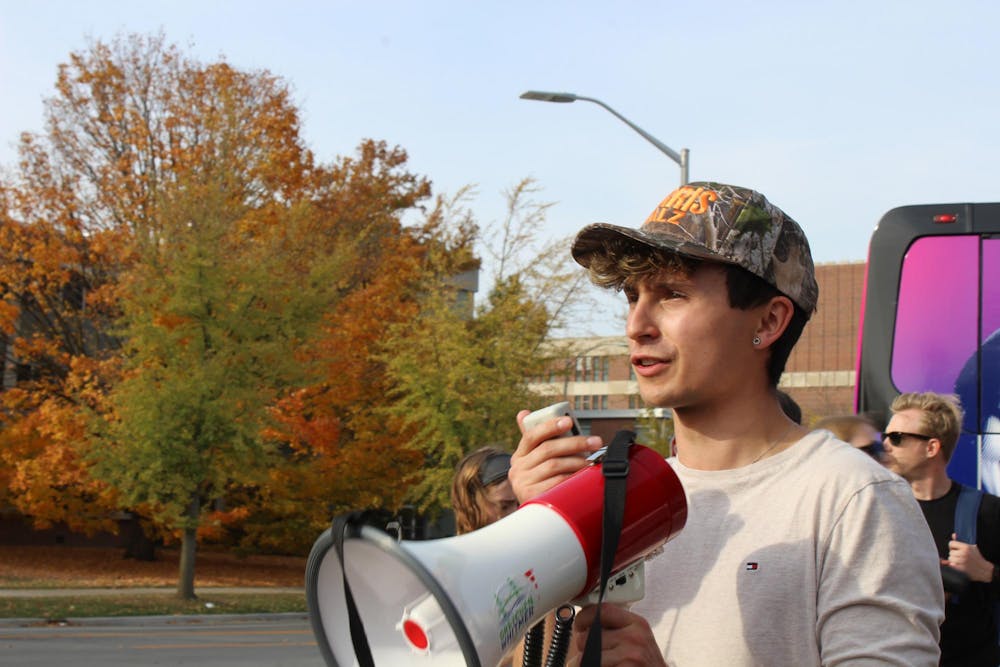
<point x="533" y="644"/>
<point x="560" y="636"/>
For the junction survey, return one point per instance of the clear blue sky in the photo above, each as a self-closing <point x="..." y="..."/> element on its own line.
<point x="837" y="111"/>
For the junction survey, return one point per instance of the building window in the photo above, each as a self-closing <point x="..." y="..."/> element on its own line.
<point x="592" y="369"/>
<point x="590" y="402"/>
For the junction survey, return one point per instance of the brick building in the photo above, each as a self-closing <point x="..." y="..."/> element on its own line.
<point x="595" y="376"/>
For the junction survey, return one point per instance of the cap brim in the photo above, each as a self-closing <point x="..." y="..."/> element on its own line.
<point x="592" y="239"/>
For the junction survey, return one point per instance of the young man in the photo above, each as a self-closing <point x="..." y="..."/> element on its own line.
<point x="798" y="549"/>
<point x="920" y="439"/>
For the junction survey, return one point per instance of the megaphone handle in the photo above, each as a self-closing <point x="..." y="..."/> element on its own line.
<point x="615" y="470"/>
<point x="359" y="639"/>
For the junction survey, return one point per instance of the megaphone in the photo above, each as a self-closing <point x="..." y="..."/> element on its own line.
<point x="467" y="600"/>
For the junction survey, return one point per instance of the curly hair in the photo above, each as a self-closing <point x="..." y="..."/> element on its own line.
<point x="622" y="264"/>
<point x="468" y="494"/>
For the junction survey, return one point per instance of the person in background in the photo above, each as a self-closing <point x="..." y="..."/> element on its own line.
<point x="480" y="495"/>
<point x="796" y="552"/>
<point x="920" y="439"/>
<point x="480" y="491"/>
<point x="855" y="430"/>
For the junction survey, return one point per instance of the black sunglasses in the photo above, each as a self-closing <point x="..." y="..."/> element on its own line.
<point x="896" y="437"/>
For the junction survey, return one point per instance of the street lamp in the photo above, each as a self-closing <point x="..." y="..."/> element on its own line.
<point x="680" y="158"/>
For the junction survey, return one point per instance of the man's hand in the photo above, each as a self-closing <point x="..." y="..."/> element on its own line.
<point x="625" y="637"/>
<point x="542" y="460"/>
<point x="966" y="558"/>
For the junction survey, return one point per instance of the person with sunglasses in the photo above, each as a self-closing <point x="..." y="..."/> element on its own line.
<point x="920" y="439"/>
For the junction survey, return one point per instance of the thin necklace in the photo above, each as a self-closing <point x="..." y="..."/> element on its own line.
<point x="774" y="444"/>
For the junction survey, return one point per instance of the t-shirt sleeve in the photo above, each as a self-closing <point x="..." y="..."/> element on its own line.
<point x="880" y="596"/>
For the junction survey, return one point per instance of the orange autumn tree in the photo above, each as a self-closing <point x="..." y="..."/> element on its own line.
<point x="344" y="453"/>
<point x="57" y="263"/>
<point x="414" y="374"/>
<point x="223" y="246"/>
<point x="262" y="341"/>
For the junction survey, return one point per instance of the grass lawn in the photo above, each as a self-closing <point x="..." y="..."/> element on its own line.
<point x="59" y="567"/>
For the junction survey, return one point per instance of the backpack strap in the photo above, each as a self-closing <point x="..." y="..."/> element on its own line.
<point x="966" y="513"/>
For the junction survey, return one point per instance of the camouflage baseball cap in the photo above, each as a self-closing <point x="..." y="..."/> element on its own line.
<point x="721" y="223"/>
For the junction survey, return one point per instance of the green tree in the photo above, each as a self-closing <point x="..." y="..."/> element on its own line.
<point x="212" y="319"/>
<point x="341" y="451"/>
<point x="211" y="237"/>
<point x="283" y="346"/>
<point x="459" y="381"/>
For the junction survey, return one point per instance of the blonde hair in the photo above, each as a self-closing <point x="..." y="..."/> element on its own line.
<point x="941" y="416"/>
<point x="468" y="495"/>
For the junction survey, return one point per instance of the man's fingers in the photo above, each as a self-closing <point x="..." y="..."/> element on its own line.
<point x="625" y="640"/>
<point x="543" y="458"/>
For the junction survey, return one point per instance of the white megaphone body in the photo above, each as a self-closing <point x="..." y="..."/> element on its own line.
<point x="467" y="600"/>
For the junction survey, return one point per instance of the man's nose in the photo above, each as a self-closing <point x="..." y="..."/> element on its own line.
<point x="640" y="323"/>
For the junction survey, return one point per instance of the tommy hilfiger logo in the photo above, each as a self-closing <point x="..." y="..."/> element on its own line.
<point x="682" y="201"/>
<point x="752" y="567"/>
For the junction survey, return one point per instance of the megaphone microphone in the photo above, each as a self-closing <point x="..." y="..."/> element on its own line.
<point x="467" y="600"/>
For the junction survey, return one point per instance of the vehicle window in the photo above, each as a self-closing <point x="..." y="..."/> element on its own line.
<point x="937" y="314"/>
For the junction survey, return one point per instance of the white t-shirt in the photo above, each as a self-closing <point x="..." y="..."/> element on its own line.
<point x="814" y="556"/>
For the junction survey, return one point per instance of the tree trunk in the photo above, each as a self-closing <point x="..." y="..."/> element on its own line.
<point x="189" y="545"/>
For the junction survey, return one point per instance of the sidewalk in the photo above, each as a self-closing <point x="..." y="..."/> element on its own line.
<point x="132" y="621"/>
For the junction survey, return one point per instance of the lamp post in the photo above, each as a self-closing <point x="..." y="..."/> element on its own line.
<point x="680" y="158"/>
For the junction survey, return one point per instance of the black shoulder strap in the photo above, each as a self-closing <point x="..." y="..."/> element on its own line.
<point x="341" y="524"/>
<point x="615" y="470"/>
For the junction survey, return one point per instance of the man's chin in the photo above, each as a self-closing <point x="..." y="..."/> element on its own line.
<point x="655" y="397"/>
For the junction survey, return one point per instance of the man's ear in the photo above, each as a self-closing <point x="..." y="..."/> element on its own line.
<point x="933" y="448"/>
<point x="774" y="319"/>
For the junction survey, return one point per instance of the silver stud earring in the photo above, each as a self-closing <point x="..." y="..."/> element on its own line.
<point x="756" y="340"/>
